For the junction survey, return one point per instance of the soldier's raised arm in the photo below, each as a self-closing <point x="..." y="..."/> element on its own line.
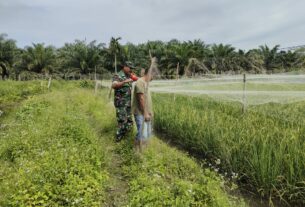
<point x="116" y="83"/>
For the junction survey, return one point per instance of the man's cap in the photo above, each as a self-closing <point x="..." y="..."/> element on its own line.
<point x="129" y="64"/>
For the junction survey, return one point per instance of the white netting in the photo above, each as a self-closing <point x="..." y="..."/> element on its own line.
<point x="259" y="88"/>
<point x="263" y="88"/>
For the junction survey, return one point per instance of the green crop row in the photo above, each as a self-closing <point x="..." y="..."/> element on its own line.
<point x="265" y="146"/>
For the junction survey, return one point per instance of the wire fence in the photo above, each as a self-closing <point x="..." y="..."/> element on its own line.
<point x="249" y="90"/>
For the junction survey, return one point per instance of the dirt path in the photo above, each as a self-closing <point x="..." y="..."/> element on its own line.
<point x="116" y="193"/>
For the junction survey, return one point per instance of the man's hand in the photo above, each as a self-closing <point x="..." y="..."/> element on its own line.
<point x="116" y="85"/>
<point x="147" y="117"/>
<point x="127" y="80"/>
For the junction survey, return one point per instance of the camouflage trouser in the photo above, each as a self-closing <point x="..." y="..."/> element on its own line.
<point x="124" y="119"/>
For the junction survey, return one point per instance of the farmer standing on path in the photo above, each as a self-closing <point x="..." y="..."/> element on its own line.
<point x="122" y="83"/>
<point x="142" y="110"/>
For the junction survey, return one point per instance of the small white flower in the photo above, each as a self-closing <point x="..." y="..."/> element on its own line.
<point x="217" y="162"/>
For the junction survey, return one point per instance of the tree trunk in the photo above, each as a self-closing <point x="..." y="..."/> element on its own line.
<point x="4" y="71"/>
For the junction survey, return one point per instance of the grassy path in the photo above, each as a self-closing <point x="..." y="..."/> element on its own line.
<point x="118" y="189"/>
<point x="161" y="176"/>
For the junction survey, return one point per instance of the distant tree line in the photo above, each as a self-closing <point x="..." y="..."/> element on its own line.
<point x="189" y="58"/>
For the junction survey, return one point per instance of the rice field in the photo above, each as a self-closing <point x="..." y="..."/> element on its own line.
<point x="263" y="147"/>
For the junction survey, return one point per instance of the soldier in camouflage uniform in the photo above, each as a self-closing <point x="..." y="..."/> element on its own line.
<point x="122" y="83"/>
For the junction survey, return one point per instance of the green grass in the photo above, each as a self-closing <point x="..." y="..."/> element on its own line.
<point x="58" y="149"/>
<point x="12" y="92"/>
<point x="50" y="156"/>
<point x="265" y="146"/>
<point x="164" y="176"/>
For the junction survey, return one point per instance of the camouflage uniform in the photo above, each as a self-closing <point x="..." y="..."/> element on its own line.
<point x="122" y="103"/>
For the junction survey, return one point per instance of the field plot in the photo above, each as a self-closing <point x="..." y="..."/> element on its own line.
<point x="265" y="145"/>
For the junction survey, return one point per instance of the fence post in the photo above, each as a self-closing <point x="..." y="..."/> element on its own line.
<point x="177" y="78"/>
<point x="244" y="94"/>
<point x="177" y="71"/>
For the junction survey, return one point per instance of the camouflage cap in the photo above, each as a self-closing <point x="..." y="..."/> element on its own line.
<point x="129" y="64"/>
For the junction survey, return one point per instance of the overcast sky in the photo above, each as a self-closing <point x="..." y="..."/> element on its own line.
<point x="244" y="24"/>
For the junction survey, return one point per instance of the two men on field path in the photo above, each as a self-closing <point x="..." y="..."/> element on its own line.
<point x="128" y="102"/>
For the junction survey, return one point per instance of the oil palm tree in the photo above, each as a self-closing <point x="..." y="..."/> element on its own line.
<point x="38" y="58"/>
<point x="115" y="50"/>
<point x="8" y="55"/>
<point x="221" y="56"/>
<point x="81" y="57"/>
<point x="270" y="56"/>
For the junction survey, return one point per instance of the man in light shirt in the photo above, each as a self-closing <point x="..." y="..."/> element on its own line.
<point x="142" y="110"/>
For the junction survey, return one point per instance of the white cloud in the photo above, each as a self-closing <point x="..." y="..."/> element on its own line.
<point x="244" y="24"/>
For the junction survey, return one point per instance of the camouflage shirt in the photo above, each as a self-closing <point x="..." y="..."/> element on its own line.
<point x="122" y="96"/>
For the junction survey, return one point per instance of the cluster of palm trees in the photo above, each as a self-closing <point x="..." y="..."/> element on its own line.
<point x="174" y="57"/>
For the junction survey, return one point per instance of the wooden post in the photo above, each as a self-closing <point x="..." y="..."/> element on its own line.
<point x="96" y="83"/>
<point x="95" y="88"/>
<point x="244" y="94"/>
<point x="177" y="78"/>
<point x="101" y="77"/>
<point x="177" y="72"/>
